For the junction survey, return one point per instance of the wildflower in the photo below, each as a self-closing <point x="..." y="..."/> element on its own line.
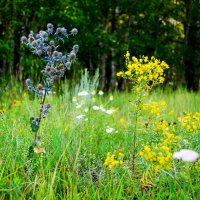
<point x="78" y="105"/>
<point x="186" y="155"/>
<point x="109" y="130"/>
<point x="75" y="48"/>
<point x="100" y="92"/>
<point x="110" y="112"/>
<point x="93" y="92"/>
<point x="74" y="31"/>
<point x="96" y="108"/>
<point x="102" y="108"/>
<point x="74" y="99"/>
<point x="80" y="116"/>
<point x="111" y="98"/>
<point x="119" y="74"/>
<point x="86" y="110"/>
<point x="83" y="93"/>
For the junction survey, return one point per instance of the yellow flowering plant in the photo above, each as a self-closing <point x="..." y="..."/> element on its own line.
<point x="114" y="159"/>
<point x="144" y="73"/>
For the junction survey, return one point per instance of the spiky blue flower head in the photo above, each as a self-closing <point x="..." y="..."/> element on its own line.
<point x="76" y="48"/>
<point x="72" y="55"/>
<point x="24" y="39"/>
<point x="49" y="26"/>
<point x="74" y="31"/>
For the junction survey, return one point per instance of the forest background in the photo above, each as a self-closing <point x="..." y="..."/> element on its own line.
<point x="166" y="29"/>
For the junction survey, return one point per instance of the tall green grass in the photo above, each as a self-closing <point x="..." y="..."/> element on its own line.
<point x="72" y="167"/>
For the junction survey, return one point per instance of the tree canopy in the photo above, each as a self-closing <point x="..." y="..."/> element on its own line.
<point x="166" y="29"/>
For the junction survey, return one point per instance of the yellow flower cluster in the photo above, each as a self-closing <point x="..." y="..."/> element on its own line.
<point x="159" y="155"/>
<point x="144" y="70"/>
<point x="190" y="121"/>
<point x="155" y="108"/>
<point x="114" y="159"/>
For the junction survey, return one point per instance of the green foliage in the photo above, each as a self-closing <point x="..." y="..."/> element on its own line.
<point x="76" y="149"/>
<point x="165" y="29"/>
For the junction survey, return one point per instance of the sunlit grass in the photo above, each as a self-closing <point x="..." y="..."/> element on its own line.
<point x="73" y="166"/>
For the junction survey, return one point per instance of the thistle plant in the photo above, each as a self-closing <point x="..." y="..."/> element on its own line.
<point x="144" y="74"/>
<point x="46" y="44"/>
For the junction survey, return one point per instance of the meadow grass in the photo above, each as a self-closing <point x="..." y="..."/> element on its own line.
<point x="73" y="165"/>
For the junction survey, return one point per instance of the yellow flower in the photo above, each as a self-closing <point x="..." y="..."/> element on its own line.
<point x="119" y="73"/>
<point x="128" y="73"/>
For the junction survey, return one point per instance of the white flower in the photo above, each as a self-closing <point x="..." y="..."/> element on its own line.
<point x="80" y="116"/>
<point x="111" y="98"/>
<point x="83" y="93"/>
<point x="186" y="155"/>
<point x="74" y="99"/>
<point x="102" y="109"/>
<point x="96" y="107"/>
<point x="100" y="92"/>
<point x="109" y="130"/>
<point x="78" y="105"/>
<point x="93" y="92"/>
<point x="110" y="111"/>
<point x="86" y="110"/>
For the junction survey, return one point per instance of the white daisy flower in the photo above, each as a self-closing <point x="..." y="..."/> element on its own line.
<point x="83" y="93"/>
<point x="111" y="98"/>
<point x="110" y="111"/>
<point x="109" y="130"/>
<point x="80" y="116"/>
<point x="96" y="108"/>
<point x="100" y="92"/>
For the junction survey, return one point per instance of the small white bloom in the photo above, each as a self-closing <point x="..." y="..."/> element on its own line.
<point x="80" y="116"/>
<point x="100" y="92"/>
<point x="86" y="110"/>
<point x="102" y="109"/>
<point x="110" y="111"/>
<point x="74" y="99"/>
<point x="109" y="130"/>
<point x="111" y="98"/>
<point x="78" y="105"/>
<point x="83" y="93"/>
<point x="186" y="155"/>
<point x="93" y="92"/>
<point x="96" y="107"/>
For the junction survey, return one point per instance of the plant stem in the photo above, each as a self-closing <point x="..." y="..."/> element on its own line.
<point x="134" y="141"/>
<point x="42" y="104"/>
